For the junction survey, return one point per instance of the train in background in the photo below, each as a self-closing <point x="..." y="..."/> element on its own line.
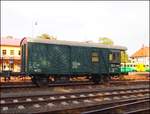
<point x="44" y="59"/>
<point x="134" y="67"/>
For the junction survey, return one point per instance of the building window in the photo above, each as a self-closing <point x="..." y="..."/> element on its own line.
<point x="11" y="52"/>
<point x="19" y="52"/>
<point x="4" y="66"/>
<point x="11" y="66"/>
<point x="4" y="52"/>
<point x="95" y="57"/>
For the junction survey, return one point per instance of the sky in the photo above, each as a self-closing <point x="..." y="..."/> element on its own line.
<point x="125" y="22"/>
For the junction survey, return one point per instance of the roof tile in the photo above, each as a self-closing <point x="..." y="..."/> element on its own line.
<point x="143" y="52"/>
<point x="10" y="42"/>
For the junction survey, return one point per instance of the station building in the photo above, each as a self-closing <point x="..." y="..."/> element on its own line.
<point x="141" y="56"/>
<point x="10" y="59"/>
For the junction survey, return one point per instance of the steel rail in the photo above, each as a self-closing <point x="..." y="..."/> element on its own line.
<point x="142" y="111"/>
<point x="77" y="83"/>
<point x="113" y="109"/>
<point x="78" y="92"/>
<point x="82" y="109"/>
<point x="78" y="97"/>
<point x="59" y="108"/>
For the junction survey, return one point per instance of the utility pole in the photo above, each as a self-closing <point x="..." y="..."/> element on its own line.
<point x="33" y="27"/>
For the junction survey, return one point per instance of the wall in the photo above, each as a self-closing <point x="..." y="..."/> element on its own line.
<point x="5" y="60"/>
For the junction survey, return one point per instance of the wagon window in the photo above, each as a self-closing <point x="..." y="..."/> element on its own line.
<point x="95" y="57"/>
<point x="114" y="57"/>
<point x="110" y="57"/>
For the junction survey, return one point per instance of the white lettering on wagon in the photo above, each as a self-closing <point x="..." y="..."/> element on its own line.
<point x="35" y="67"/>
<point x="75" y="64"/>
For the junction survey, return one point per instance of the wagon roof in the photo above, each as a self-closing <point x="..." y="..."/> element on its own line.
<point x="75" y="43"/>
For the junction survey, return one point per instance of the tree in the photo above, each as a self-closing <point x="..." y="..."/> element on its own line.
<point x="124" y="57"/>
<point x="105" y="40"/>
<point x="47" y="36"/>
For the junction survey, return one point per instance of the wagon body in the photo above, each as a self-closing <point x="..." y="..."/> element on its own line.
<point x="45" y="57"/>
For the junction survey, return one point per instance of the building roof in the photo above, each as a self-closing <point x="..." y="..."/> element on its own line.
<point x="10" y="42"/>
<point x="143" y="52"/>
<point x="73" y="43"/>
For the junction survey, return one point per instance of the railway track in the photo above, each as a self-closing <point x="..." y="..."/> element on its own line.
<point x="135" y="107"/>
<point x="77" y="83"/>
<point x="56" y="103"/>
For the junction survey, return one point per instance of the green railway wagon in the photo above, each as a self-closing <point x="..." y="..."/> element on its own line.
<point x="44" y="59"/>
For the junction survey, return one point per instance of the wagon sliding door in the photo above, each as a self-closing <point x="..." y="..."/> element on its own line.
<point x="99" y="61"/>
<point x="49" y="58"/>
<point x="80" y="61"/>
<point x="104" y="64"/>
<point x="58" y="59"/>
<point x="95" y="61"/>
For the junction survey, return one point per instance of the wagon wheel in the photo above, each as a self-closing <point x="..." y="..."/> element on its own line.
<point x="106" y="78"/>
<point x="42" y="81"/>
<point x="96" y="79"/>
<point x="62" y="79"/>
<point x="33" y="80"/>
